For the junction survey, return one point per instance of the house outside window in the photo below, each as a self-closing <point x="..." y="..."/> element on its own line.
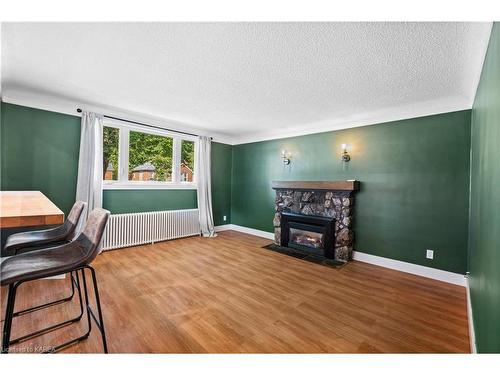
<point x="109" y="171"/>
<point x="186" y="172"/>
<point x="143" y="172"/>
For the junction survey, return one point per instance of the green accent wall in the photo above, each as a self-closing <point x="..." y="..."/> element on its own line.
<point x="414" y="184"/>
<point x="484" y="250"/>
<point x="128" y="201"/>
<point x="221" y="163"/>
<point x="39" y="151"/>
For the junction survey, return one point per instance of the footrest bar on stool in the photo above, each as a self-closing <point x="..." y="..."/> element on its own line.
<point x="58" y="325"/>
<point x="49" y="304"/>
<point x="45" y="330"/>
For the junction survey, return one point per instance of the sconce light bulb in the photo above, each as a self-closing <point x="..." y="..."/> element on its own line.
<point x="345" y="154"/>
<point x="286" y="157"/>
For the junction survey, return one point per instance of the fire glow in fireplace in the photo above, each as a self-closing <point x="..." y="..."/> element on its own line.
<point x="306" y="238"/>
<point x="313" y="234"/>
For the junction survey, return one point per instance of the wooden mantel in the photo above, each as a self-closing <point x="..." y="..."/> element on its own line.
<point x="316" y="185"/>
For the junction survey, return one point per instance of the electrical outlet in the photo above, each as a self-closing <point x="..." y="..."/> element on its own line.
<point x="429" y="254"/>
<point x="224" y="218"/>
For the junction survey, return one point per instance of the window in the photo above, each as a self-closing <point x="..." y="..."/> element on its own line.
<point x="110" y="138"/>
<point x="140" y="157"/>
<point x="150" y="157"/>
<point x="187" y="161"/>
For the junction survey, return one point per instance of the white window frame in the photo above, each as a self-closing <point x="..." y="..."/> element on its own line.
<point x="123" y="182"/>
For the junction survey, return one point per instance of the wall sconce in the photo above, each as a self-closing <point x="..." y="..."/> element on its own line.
<point x="285" y="156"/>
<point x="345" y="155"/>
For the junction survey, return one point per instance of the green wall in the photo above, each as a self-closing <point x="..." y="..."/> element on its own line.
<point x="221" y="182"/>
<point x="39" y="151"/>
<point x="414" y="184"/>
<point x="484" y="247"/>
<point x="126" y="201"/>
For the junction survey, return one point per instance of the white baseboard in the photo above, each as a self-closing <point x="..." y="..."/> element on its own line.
<point x="221" y="228"/>
<point x="472" y="332"/>
<point x="431" y="273"/>
<point x="415" y="269"/>
<point x="238" y="228"/>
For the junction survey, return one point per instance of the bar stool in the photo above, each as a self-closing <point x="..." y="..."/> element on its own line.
<point x="75" y="256"/>
<point x="29" y="241"/>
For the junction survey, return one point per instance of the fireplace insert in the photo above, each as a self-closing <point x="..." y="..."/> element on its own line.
<point x="313" y="234"/>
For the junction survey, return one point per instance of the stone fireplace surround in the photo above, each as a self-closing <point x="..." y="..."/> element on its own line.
<point x="333" y="199"/>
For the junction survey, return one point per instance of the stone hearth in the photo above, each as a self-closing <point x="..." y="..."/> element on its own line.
<point x="333" y="199"/>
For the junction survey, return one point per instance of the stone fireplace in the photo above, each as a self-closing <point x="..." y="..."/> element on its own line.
<point x="315" y="216"/>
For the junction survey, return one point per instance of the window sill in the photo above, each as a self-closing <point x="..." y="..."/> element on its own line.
<point x="148" y="186"/>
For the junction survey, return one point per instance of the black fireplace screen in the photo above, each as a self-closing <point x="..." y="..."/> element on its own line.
<point x="314" y="234"/>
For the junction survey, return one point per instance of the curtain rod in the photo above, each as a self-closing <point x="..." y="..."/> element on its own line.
<point x="79" y="110"/>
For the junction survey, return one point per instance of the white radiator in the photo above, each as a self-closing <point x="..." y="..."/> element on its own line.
<point x="125" y="230"/>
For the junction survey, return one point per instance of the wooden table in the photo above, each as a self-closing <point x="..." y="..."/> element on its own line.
<point x="27" y="209"/>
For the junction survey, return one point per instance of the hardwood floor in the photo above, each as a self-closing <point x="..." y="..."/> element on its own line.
<point x="228" y="295"/>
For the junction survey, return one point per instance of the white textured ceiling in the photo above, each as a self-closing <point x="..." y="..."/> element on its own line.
<point x="250" y="80"/>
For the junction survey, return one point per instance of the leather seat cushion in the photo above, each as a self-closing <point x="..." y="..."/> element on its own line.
<point x="42" y="263"/>
<point x="32" y="239"/>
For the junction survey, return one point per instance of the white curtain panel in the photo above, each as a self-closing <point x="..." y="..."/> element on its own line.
<point x="205" y="187"/>
<point x="89" y="185"/>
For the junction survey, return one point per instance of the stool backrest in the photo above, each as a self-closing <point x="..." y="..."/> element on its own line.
<point x="66" y="232"/>
<point x="76" y="212"/>
<point x="90" y="238"/>
<point x="71" y="223"/>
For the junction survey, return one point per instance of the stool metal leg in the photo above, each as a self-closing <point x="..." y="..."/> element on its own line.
<point x="9" y="311"/>
<point x="100" y="324"/>
<point x="87" y="300"/>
